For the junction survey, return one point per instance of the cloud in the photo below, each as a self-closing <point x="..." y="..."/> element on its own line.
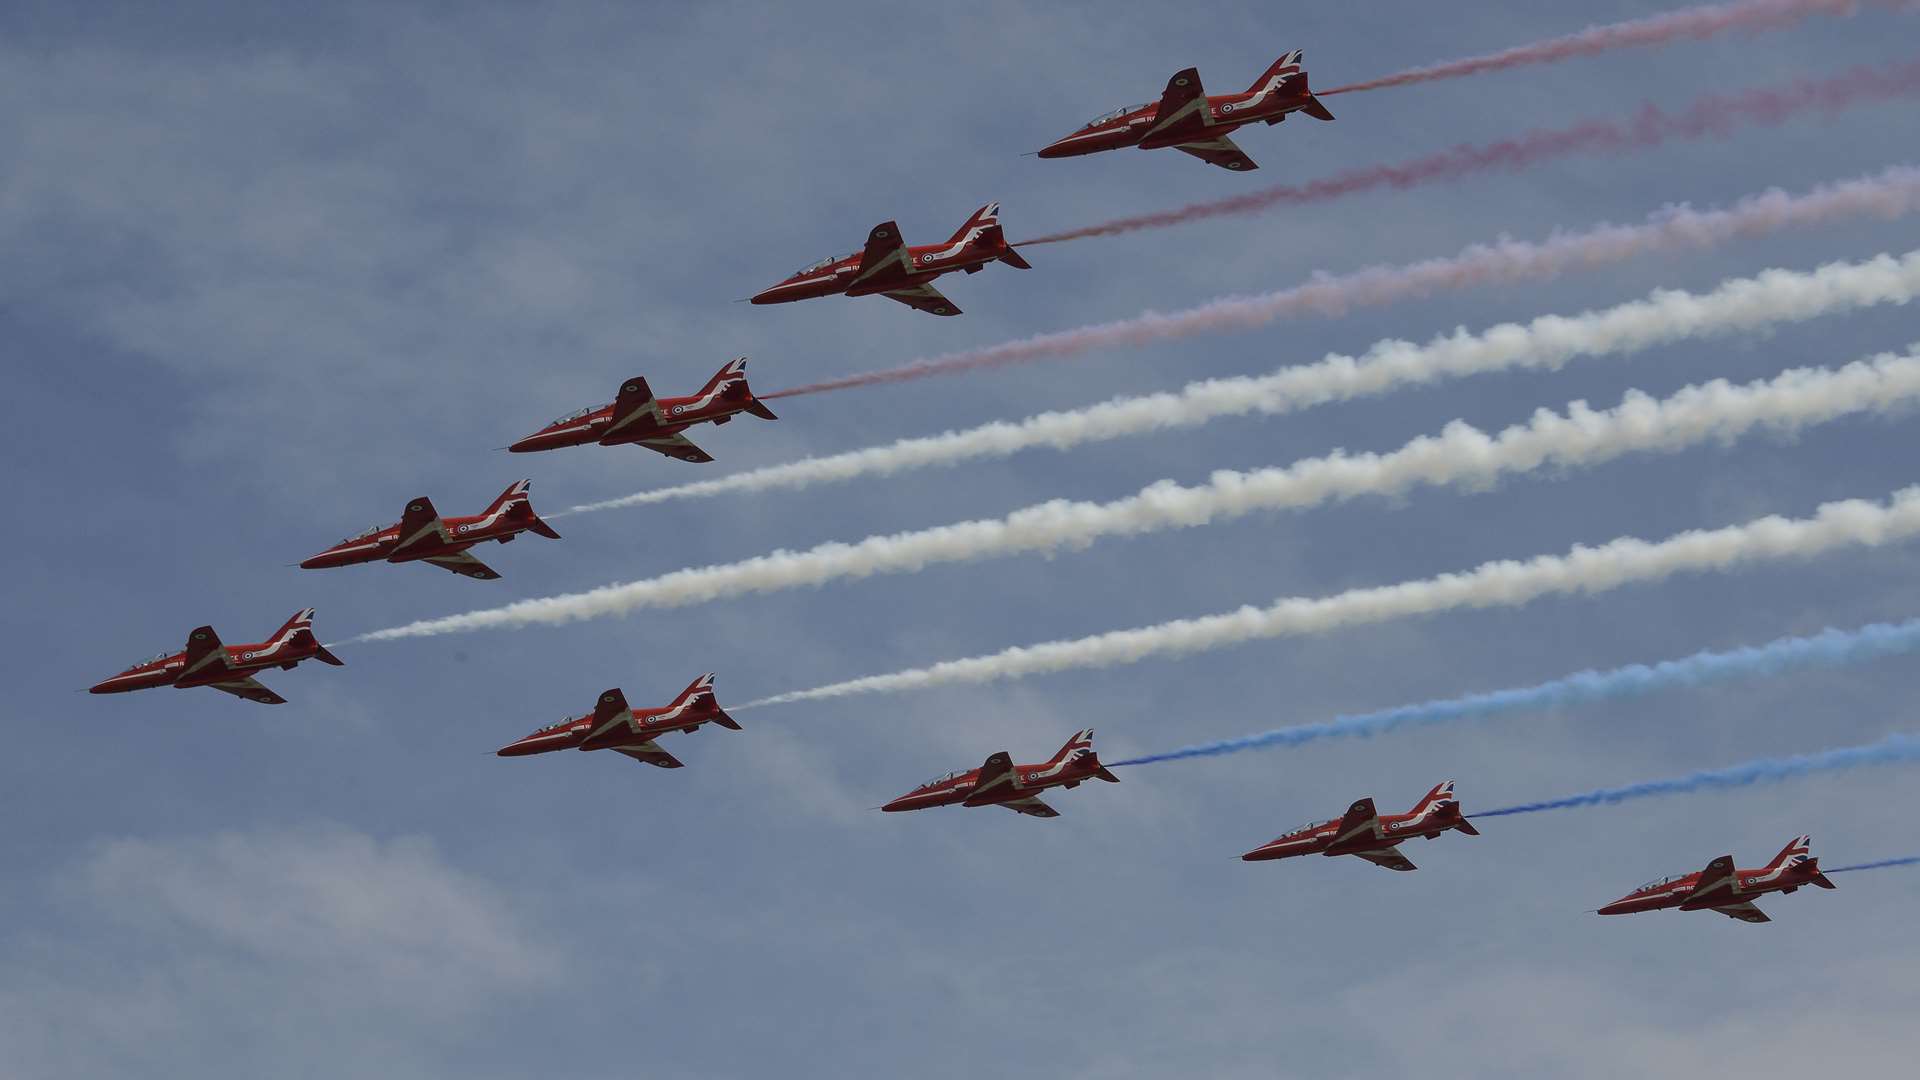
<point x="315" y="937"/>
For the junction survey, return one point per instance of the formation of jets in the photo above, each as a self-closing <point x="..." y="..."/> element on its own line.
<point x="1185" y="118"/>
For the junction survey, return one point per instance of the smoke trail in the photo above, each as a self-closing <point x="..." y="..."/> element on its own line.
<point x="1460" y="455"/>
<point x="1504" y="583"/>
<point x="1892" y="750"/>
<point x="1768" y="299"/>
<point x="1695" y="23"/>
<point x="1891" y="193"/>
<point x="1827" y="649"/>
<point x="1908" y="861"/>
<point x="1712" y="116"/>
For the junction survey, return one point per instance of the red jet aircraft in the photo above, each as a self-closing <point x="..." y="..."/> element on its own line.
<point x="1365" y="833"/>
<point x="206" y="662"/>
<point x="1729" y="891"/>
<point x="423" y="536"/>
<point x="891" y="268"/>
<point x="638" y="418"/>
<point x="1186" y="119"/>
<point x="1000" y="782"/>
<point x="613" y="726"/>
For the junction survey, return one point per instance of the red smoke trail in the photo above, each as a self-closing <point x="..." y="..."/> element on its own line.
<point x="1716" y="114"/>
<point x="1696" y="23"/>
<point x="1892" y="193"/>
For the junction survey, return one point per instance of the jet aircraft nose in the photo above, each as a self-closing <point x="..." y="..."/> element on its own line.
<point x="904" y="802"/>
<point x="539" y="440"/>
<point x="321" y="561"/>
<point x="1622" y="906"/>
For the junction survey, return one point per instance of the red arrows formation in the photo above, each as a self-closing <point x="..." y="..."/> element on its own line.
<point x="1185" y="118"/>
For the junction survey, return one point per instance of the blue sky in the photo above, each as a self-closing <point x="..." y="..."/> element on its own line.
<point x="271" y="270"/>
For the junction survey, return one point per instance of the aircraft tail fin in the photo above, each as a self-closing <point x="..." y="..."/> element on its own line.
<point x="297" y="633"/>
<point x="1282" y="69"/>
<point x="699" y="697"/>
<point x="1079" y="750"/>
<point x="987" y="216"/>
<point x="1800" y="847"/>
<point x="1290" y="71"/>
<point x="731" y="382"/>
<point x="517" y="503"/>
<point x="1441" y="794"/>
<point x="301" y="623"/>
<point x="984" y="229"/>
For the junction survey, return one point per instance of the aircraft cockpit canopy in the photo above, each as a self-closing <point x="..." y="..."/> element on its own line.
<point x="1109" y="117"/>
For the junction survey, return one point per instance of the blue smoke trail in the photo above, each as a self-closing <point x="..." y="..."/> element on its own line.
<point x="1908" y="861"/>
<point x="1891" y="750"/>
<point x="1827" y="649"/>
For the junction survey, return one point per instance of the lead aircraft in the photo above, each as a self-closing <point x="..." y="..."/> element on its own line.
<point x="1186" y="119"/>
<point x="999" y="782"/>
<point x="638" y="418"/>
<point x="1723" y="888"/>
<point x="1363" y="832"/>
<point x="889" y="267"/>
<point x="626" y="731"/>
<point x="227" y="668"/>
<point x="422" y="535"/>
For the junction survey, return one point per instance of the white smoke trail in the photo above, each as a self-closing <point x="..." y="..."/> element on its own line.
<point x="1548" y="342"/>
<point x="1891" y="193"/>
<point x="1460" y="455"/>
<point x="1505" y="583"/>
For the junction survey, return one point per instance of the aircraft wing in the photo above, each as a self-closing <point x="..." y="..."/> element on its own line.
<point x="1389" y="858"/>
<point x="676" y="445"/>
<point x="1715" y="883"/>
<point x="1221" y="151"/>
<point x="250" y="690"/>
<point x="1745" y="912"/>
<point x="419" y="522"/>
<point x="1183" y="107"/>
<point x="995" y="775"/>
<point x="463" y="564"/>
<point x="204" y="652"/>
<point x="1032" y="807"/>
<point x="634" y="403"/>
<point x="1361" y="820"/>
<point x="885" y="256"/>
<point x="650" y="753"/>
<point x="925" y="298"/>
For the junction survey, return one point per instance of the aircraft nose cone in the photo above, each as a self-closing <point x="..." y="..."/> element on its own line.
<point x="1053" y="150"/>
<point x="904" y="802"/>
<point x="1618" y="907"/>
<point x="766" y="296"/>
<point x="518" y="748"/>
<point x="533" y="442"/>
